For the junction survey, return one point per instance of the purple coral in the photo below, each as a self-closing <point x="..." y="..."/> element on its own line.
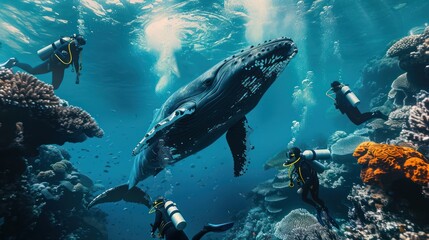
<point x="417" y="128"/>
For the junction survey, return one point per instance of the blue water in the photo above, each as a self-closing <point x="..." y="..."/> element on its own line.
<point x="131" y="45"/>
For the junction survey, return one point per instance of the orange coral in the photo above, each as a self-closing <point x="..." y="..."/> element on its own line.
<point x="383" y="163"/>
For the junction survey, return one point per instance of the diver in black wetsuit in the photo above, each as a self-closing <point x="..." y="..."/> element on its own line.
<point x="170" y="223"/>
<point x="346" y="101"/>
<point x="306" y="177"/>
<point x="57" y="57"/>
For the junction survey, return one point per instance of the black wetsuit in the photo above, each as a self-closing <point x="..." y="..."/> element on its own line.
<point x="57" y="62"/>
<point x="307" y="177"/>
<point x="166" y="227"/>
<point x="352" y="112"/>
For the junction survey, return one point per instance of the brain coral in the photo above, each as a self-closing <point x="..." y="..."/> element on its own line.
<point x="383" y="164"/>
<point x="43" y="119"/>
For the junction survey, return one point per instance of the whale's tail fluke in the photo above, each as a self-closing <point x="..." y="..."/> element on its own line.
<point x="122" y="192"/>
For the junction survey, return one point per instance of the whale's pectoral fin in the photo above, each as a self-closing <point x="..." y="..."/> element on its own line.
<point x="121" y="192"/>
<point x="237" y="137"/>
<point x="164" y="154"/>
<point x="184" y="109"/>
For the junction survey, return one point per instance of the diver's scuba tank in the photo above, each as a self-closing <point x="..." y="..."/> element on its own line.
<point x="175" y="216"/>
<point x="47" y="51"/>
<point x="312" y="155"/>
<point x="316" y="154"/>
<point x="350" y="96"/>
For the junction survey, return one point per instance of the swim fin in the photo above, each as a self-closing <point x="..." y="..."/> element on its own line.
<point x="9" y="63"/>
<point x="218" y="227"/>
<point x="332" y="220"/>
<point x="319" y="217"/>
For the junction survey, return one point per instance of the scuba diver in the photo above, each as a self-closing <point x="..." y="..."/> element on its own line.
<point x="303" y="168"/>
<point x="346" y="101"/>
<point x="57" y="57"/>
<point x="170" y="222"/>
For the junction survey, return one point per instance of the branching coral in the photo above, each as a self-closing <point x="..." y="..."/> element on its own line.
<point x="417" y="128"/>
<point x="43" y="119"/>
<point x="383" y="164"/>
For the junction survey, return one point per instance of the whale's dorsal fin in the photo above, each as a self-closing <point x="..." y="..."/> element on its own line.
<point x="237" y="137"/>
<point x="184" y="109"/>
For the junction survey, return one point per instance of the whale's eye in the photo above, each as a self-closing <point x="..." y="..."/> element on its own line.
<point x="208" y="82"/>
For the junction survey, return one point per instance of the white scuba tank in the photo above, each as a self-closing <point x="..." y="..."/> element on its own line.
<point x="312" y="155"/>
<point x="47" y="51"/>
<point x="316" y="154"/>
<point x="350" y="96"/>
<point x="175" y="216"/>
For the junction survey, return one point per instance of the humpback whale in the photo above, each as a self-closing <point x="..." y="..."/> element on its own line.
<point x="199" y="113"/>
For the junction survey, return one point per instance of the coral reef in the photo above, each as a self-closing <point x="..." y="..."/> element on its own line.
<point x="31" y="115"/>
<point x="404" y="46"/>
<point x="383" y="164"/>
<point x="377" y="75"/>
<point x="44" y="197"/>
<point x="376" y="215"/>
<point x="337" y="135"/>
<point x="413" y="54"/>
<point x="277" y="160"/>
<point x="343" y="149"/>
<point x="402" y="91"/>
<point x="417" y="128"/>
<point x="332" y="176"/>
<point x="398" y="117"/>
<point x="48" y="203"/>
<point x="300" y="224"/>
<point x="257" y="224"/>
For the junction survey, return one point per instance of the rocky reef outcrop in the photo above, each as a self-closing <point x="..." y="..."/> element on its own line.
<point x="42" y="195"/>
